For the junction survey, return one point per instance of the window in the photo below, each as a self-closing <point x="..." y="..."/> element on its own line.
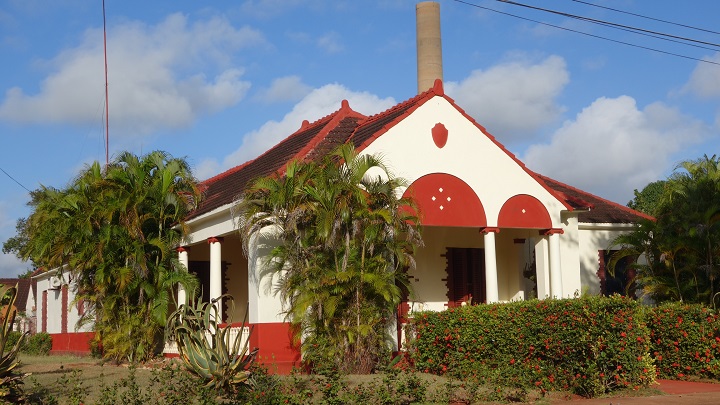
<point x="622" y="281"/>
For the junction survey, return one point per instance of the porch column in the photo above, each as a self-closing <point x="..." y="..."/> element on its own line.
<point x="183" y="258"/>
<point x="216" y="272"/>
<point x="491" y="282"/>
<point x="556" y="289"/>
<point x="520" y="252"/>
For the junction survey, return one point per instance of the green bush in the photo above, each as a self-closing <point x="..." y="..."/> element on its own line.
<point x="38" y="344"/>
<point x="685" y="340"/>
<point x="589" y="346"/>
<point x="12" y="339"/>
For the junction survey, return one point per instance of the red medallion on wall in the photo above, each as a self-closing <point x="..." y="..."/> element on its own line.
<point x="439" y="135"/>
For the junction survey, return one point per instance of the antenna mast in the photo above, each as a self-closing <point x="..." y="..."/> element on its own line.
<point x="107" y="107"/>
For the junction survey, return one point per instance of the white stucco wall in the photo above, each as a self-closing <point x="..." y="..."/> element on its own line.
<point x="469" y="154"/>
<point x="54" y="305"/>
<point x="595" y="237"/>
<point x="265" y="307"/>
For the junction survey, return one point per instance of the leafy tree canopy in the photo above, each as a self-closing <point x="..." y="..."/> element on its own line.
<point x="648" y="200"/>
<point x="114" y="230"/>
<point x="679" y="253"/>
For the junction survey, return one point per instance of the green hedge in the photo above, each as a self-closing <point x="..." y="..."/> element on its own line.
<point x="589" y="345"/>
<point x="685" y="341"/>
<point x="38" y="344"/>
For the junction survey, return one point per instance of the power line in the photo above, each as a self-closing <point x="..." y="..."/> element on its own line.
<point x="607" y="23"/>
<point x="646" y="17"/>
<point x="13" y="179"/>
<point x="587" y="34"/>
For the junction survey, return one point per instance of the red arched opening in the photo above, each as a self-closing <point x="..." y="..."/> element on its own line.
<point x="524" y="211"/>
<point x="445" y="200"/>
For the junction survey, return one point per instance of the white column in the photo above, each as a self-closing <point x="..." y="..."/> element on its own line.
<point x="216" y="272"/>
<point x="183" y="258"/>
<point x="491" y="281"/>
<point x="520" y="251"/>
<point x="542" y="267"/>
<point x="555" y="272"/>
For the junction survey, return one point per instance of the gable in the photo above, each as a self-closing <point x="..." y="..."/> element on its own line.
<point x="438" y="137"/>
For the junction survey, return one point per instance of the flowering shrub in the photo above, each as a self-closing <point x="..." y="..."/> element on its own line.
<point x="590" y="345"/>
<point x="685" y="340"/>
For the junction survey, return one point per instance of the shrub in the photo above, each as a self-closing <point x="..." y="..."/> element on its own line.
<point x="208" y="350"/>
<point x="38" y="344"/>
<point x="685" y="340"/>
<point x="590" y="345"/>
<point x="10" y="378"/>
<point x="12" y="339"/>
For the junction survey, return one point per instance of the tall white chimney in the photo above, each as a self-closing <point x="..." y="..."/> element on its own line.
<point x="429" y="44"/>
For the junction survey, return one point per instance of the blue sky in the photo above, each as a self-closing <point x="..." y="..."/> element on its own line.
<point x="218" y="82"/>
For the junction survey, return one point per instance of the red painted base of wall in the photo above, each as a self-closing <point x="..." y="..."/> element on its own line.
<point x="276" y="350"/>
<point x="71" y="343"/>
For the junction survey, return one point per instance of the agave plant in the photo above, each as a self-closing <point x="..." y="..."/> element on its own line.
<point x="208" y="350"/>
<point x="10" y="379"/>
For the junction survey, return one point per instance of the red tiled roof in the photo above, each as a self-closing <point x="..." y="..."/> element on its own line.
<point x="599" y="210"/>
<point x="310" y="141"/>
<point x="315" y="140"/>
<point x="23" y="285"/>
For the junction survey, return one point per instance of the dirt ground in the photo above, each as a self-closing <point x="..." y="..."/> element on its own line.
<point x="47" y="370"/>
<point x="675" y="393"/>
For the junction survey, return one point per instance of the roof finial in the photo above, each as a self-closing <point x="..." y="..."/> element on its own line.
<point x="344" y="105"/>
<point x="304" y="124"/>
<point x="438" y="87"/>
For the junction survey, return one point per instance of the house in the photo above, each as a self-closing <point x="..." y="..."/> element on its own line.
<point x="23" y="318"/>
<point x="494" y="230"/>
<point x="56" y="313"/>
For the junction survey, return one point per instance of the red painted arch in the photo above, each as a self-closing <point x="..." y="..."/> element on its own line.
<point x="524" y="211"/>
<point x="445" y="200"/>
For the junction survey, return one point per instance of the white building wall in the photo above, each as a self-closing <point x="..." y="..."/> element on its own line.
<point x="410" y="152"/>
<point x="264" y="306"/>
<point x="592" y="238"/>
<point x="570" y="258"/>
<point x="55" y="304"/>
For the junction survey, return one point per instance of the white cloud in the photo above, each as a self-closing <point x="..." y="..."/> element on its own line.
<point x="612" y="147"/>
<point x="317" y="104"/>
<point x="149" y="84"/>
<point x="330" y="43"/>
<point x="499" y="95"/>
<point x="288" y="88"/>
<point x="705" y="79"/>
<point x="11" y="266"/>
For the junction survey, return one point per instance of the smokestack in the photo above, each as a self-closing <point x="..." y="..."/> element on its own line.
<point x="429" y="44"/>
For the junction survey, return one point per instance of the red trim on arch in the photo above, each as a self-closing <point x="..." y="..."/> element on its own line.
<point x="524" y="211"/>
<point x="445" y="200"/>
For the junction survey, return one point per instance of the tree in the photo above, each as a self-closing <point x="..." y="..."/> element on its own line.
<point x="346" y="241"/>
<point x="114" y="231"/>
<point x="648" y="200"/>
<point x="681" y="249"/>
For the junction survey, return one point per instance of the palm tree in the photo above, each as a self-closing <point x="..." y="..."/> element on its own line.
<point x="114" y="231"/>
<point x="682" y="247"/>
<point x="346" y="243"/>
